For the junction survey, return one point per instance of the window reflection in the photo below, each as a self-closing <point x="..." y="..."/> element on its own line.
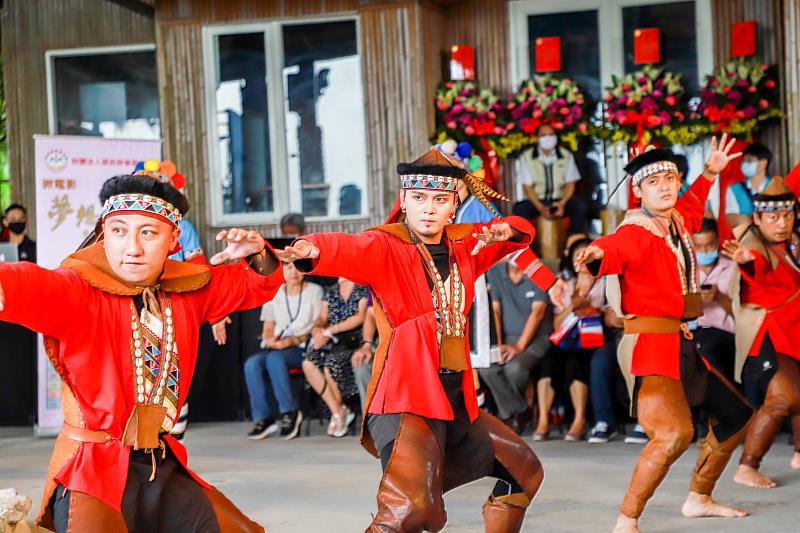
<point x="243" y="124"/>
<point x="112" y="95"/>
<point x="324" y="119"/>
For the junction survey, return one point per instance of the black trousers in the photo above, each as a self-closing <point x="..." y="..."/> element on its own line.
<point x="172" y="503"/>
<point x="718" y="348"/>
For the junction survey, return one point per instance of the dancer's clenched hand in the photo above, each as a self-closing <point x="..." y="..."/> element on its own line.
<point x="241" y="243"/>
<point x="301" y="249"/>
<point x="587" y="255"/>
<point x="737" y="252"/>
<point x="491" y="234"/>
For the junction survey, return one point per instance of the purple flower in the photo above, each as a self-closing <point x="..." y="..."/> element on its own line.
<point x="665" y="117"/>
<point x="642" y="80"/>
<point x="734" y="96"/>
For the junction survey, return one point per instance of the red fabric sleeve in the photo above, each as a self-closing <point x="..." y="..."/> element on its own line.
<point x="692" y="204"/>
<point x="354" y="257"/>
<point x="620" y="248"/>
<point x="235" y="287"/>
<point x="757" y="270"/>
<point x="492" y="254"/>
<point x="40" y="299"/>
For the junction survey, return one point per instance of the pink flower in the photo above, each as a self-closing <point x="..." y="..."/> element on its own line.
<point x="537" y="113"/>
<point x="469" y="130"/>
<point x="770" y="84"/>
<point x="441" y="105"/>
<point x="743" y="83"/>
<point x="751" y="89"/>
<point x="763" y="104"/>
<point x="657" y="94"/>
<point x="458" y="108"/>
<point x="579" y="101"/>
<point x="669" y="100"/>
<point x="560" y="101"/>
<point x="548" y="90"/>
<point x="498" y="130"/>
<point x="665" y="118"/>
<point x="451" y="125"/>
<point x="582" y="127"/>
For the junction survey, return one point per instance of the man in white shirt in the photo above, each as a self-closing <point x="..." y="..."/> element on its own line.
<point x="548" y="173"/>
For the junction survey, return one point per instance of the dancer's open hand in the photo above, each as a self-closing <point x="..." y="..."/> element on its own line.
<point x="737" y="251"/>
<point x="241" y="243"/>
<point x="720" y="155"/>
<point x="301" y="249"/>
<point x="490" y="234"/>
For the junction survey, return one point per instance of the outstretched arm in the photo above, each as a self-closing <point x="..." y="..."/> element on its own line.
<point x="493" y="241"/>
<point x="354" y="257"/>
<point x="249" y="281"/>
<point x="41" y="299"/>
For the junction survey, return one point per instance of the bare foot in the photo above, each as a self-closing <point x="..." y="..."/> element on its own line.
<point x="626" y="524"/>
<point x="699" y="505"/>
<point x="796" y="460"/>
<point x="750" y="477"/>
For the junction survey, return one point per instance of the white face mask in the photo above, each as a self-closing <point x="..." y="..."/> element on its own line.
<point x="548" y="142"/>
<point x="749" y="168"/>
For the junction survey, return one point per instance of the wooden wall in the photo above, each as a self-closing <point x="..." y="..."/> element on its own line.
<point x="791" y="79"/>
<point x="29" y="28"/>
<point x="396" y="44"/>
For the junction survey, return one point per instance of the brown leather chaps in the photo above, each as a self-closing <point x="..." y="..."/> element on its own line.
<point x="781" y="400"/>
<point x="665" y="414"/>
<point x="420" y="470"/>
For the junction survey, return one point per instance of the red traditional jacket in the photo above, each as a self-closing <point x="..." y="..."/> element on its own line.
<point x="777" y="290"/>
<point x="650" y="281"/>
<point x="88" y="311"/>
<point x="405" y="375"/>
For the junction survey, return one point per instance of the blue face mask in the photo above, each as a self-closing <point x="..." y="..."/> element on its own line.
<point x="707" y="258"/>
<point x="749" y="168"/>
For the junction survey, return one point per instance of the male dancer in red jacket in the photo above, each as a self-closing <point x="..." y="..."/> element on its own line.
<point x="652" y="284"/>
<point x="422" y="416"/>
<point x="121" y="328"/>
<point x="767" y="307"/>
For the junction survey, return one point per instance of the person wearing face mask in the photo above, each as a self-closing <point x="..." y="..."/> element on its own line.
<point x="766" y="302"/>
<point x="16" y="220"/>
<point x="739" y="196"/>
<point x="713" y="332"/>
<point x="549" y="174"/>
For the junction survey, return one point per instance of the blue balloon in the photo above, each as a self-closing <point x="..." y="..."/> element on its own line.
<point x="139" y="166"/>
<point x="464" y="150"/>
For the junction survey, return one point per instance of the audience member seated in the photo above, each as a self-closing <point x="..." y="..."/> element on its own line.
<point x="548" y="173"/>
<point x="327" y="364"/>
<point x="362" y="357"/>
<point x="525" y="323"/>
<point x="581" y="323"/>
<point x="739" y="196"/>
<point x="714" y="331"/>
<point x="288" y="320"/>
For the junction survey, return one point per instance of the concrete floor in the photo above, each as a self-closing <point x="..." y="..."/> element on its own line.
<point x="319" y="484"/>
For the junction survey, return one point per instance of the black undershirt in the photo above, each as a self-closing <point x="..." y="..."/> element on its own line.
<point x="441" y="256"/>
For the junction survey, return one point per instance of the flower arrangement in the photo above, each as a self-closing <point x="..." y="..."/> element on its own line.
<point x="739" y="97"/>
<point x="553" y="100"/>
<point x="649" y="106"/>
<point x="466" y="112"/>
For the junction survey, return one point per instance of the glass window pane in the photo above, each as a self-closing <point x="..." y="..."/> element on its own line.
<point x="580" y="51"/>
<point x="107" y="95"/>
<point x="243" y="124"/>
<point x="678" y="39"/>
<point x="324" y="119"/>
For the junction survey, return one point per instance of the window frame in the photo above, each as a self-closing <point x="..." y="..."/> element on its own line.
<point x="51" y="55"/>
<point x="272" y="30"/>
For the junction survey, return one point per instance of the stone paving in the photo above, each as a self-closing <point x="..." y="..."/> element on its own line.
<point x="320" y="484"/>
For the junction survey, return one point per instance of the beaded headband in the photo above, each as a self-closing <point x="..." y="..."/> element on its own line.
<point x="773" y="206"/>
<point x="653" y="168"/>
<point x="429" y="182"/>
<point x="142" y="204"/>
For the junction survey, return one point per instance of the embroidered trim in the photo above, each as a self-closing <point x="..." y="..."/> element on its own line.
<point x="142" y="203"/>
<point x="653" y="168"/>
<point x="429" y="182"/>
<point x="773" y="206"/>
